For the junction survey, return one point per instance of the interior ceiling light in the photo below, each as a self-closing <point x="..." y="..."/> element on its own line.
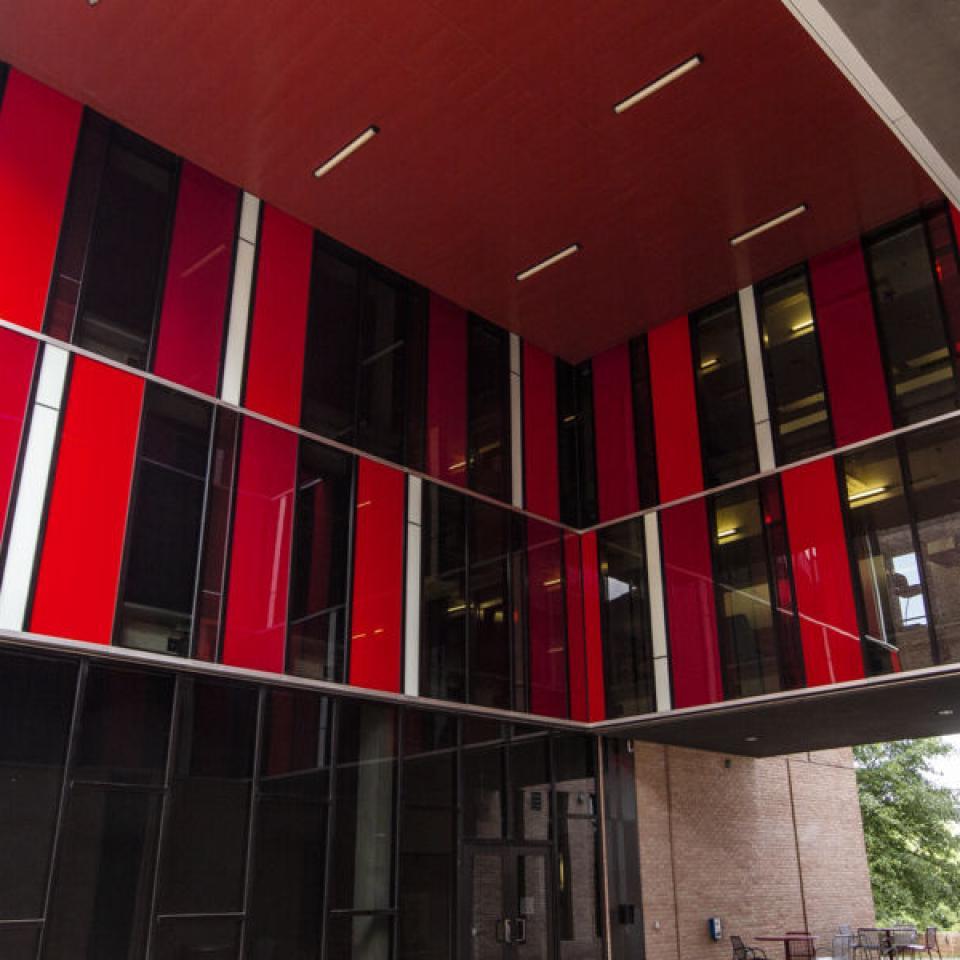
<point x="750" y="739"/>
<point x="710" y="362"/>
<point x="944" y="713"/>
<point x="675" y="74"/>
<point x="768" y="225"/>
<point x="723" y="534"/>
<point x="549" y="262"/>
<point x="802" y="327"/>
<point x="352" y="147"/>
<point x="863" y="494"/>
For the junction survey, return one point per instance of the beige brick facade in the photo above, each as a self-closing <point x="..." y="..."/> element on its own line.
<point x="766" y="845"/>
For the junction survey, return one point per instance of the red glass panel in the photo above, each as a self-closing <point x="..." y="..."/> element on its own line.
<point x="376" y="635"/>
<point x="545" y="620"/>
<point x="615" y="440"/>
<point x="832" y="650"/>
<point x="690" y="603"/>
<point x="593" y="637"/>
<point x="856" y="389"/>
<point x="18" y="356"/>
<point x="256" y="622"/>
<point x="198" y="276"/>
<point x="279" y="321"/>
<point x="540" y="432"/>
<point x="675" y="424"/>
<point x="76" y="589"/>
<point x="576" y="651"/>
<point x="38" y="135"/>
<point x="447" y="392"/>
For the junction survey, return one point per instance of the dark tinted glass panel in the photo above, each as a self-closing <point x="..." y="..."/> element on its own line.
<point x="223" y="464"/>
<point x="932" y="469"/>
<point x="364" y="379"/>
<point x="643" y="422"/>
<point x="286" y="900"/>
<point x="484" y="796"/>
<point x="444" y="617"/>
<point x="575" y="448"/>
<point x="628" y="657"/>
<point x="197" y="939"/>
<point x="391" y="377"/>
<point x="330" y="364"/>
<point x="546" y="622"/>
<point x="367" y="937"/>
<point x="36" y="704"/>
<point x="365" y="806"/>
<point x="209" y="804"/>
<point x="910" y="316"/>
<point x="946" y="268"/>
<point x="124" y="726"/>
<point x="759" y="635"/>
<point x="163" y="540"/>
<point x="887" y="570"/>
<point x="100" y="906"/>
<point x="723" y="394"/>
<point x="19" y="942"/>
<point x="321" y="539"/>
<point x="425" y="892"/>
<point x="795" y="384"/>
<point x="488" y="409"/>
<point x="123" y="270"/>
<point x="530" y="789"/>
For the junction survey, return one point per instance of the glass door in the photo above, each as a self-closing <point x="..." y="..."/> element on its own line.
<point x="506" y="906"/>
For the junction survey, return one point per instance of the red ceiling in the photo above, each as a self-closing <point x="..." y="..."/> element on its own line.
<point x="498" y="140"/>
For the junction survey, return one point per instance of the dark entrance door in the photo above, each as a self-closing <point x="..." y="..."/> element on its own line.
<point x="505" y="912"/>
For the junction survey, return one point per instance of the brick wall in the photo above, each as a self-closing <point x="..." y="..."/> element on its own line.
<point x="766" y="845"/>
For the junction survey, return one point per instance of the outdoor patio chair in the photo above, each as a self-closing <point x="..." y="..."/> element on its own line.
<point x="870" y="945"/>
<point x="742" y="952"/>
<point x="929" y="946"/>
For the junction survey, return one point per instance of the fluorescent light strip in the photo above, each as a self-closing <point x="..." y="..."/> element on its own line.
<point x="723" y="534"/>
<point x="863" y="494"/>
<point x="352" y="147"/>
<point x="675" y="74"/>
<point x="549" y="262"/>
<point x="802" y="327"/>
<point x="768" y="225"/>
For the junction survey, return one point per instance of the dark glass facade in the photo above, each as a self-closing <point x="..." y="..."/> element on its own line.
<point x="488" y="409"/>
<point x="575" y="445"/>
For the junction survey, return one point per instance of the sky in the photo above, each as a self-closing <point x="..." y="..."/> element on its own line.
<point x="948" y="767"/>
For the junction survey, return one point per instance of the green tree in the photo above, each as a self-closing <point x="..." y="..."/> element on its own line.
<point x="910" y="828"/>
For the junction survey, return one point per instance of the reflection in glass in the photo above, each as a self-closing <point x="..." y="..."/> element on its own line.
<point x="723" y="394"/>
<point x="163" y="541"/>
<point x="575" y="444"/>
<point x="488" y="409"/>
<point x="795" y="383"/>
<point x="643" y="422"/>
<point x="916" y="346"/>
<point x="625" y="618"/>
<point x="321" y="539"/>
<point x="759" y="631"/>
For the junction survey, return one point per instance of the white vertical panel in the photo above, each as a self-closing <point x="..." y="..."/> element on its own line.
<point x="658" y="619"/>
<point x="32" y="490"/>
<point x="239" y="318"/>
<point x="661" y="681"/>
<point x="758" y="385"/>
<point x="411" y="610"/>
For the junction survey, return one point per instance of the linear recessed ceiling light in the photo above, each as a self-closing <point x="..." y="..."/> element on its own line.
<point x="863" y="494"/>
<point x="724" y="534"/>
<point x="768" y="225"/>
<point x="709" y="362"/>
<point x="352" y="147"/>
<point x="549" y="262"/>
<point x="803" y="327"/>
<point x="675" y="74"/>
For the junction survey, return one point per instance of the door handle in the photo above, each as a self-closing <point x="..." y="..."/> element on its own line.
<point x="503" y="930"/>
<point x="521" y="926"/>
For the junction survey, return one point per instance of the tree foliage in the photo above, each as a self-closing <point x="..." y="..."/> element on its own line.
<point x="910" y="827"/>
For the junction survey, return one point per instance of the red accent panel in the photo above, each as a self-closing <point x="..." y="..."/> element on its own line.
<point x="832" y="650"/>
<point x="447" y="392"/>
<point x="616" y="443"/>
<point x="576" y="649"/>
<point x="279" y="322"/>
<point x="19" y="358"/>
<point x="76" y="591"/>
<point x="691" y="610"/>
<point x="856" y="387"/>
<point x="256" y="623"/>
<point x="38" y="135"/>
<point x="198" y="275"/>
<point x="541" y="471"/>
<point x="376" y="633"/>
<point x="593" y="636"/>
<point x="545" y="626"/>
<point x="675" y="424"/>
